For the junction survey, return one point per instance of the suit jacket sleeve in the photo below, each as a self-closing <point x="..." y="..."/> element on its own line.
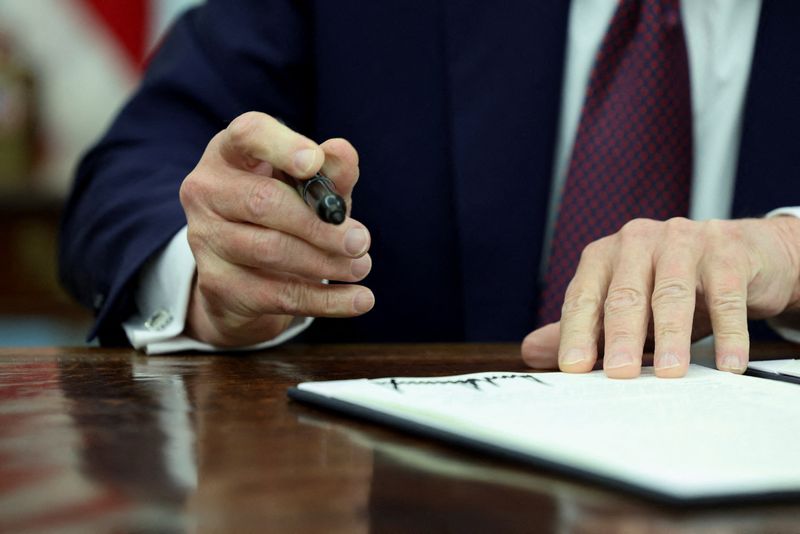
<point x="218" y="61"/>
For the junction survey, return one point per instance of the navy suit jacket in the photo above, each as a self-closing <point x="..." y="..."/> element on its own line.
<point x="452" y="106"/>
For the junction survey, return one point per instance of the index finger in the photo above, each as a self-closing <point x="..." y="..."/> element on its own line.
<point x="582" y="310"/>
<point x="255" y="136"/>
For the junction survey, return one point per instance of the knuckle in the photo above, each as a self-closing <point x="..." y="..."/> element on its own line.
<point x="331" y="302"/>
<point x="579" y="335"/>
<point x="680" y="230"/>
<point x="637" y="228"/>
<point x="243" y="128"/>
<point x="624" y="299"/>
<point x="713" y="227"/>
<point x="346" y="146"/>
<point x="679" y="224"/>
<point x="291" y="298"/>
<point x="578" y="301"/>
<point x="725" y="229"/>
<point x="201" y="234"/>
<point x="590" y="251"/>
<point x="621" y="336"/>
<point x="731" y="334"/>
<point x="670" y="291"/>
<point x="191" y="190"/>
<point x="727" y="302"/>
<point x="270" y="247"/>
<point x="594" y="249"/>
<point x="213" y="288"/>
<point x="195" y="238"/>
<point x="264" y="196"/>
<point x="668" y="328"/>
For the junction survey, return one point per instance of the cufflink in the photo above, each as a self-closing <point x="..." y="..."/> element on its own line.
<point x="158" y="321"/>
<point x="98" y="301"/>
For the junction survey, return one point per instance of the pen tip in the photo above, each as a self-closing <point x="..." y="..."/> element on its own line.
<point x="337" y="217"/>
<point x="332" y="209"/>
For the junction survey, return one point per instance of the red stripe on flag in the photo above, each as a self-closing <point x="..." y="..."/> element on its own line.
<point x="129" y="22"/>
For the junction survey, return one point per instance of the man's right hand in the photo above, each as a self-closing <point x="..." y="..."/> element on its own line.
<point x="261" y="252"/>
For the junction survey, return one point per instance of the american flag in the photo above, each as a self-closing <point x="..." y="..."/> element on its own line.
<point x="127" y="22"/>
<point x="86" y="55"/>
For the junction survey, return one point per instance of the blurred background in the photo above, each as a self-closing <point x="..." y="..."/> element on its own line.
<point x="66" y="66"/>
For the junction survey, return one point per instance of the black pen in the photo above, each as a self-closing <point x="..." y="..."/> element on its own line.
<point x="319" y="192"/>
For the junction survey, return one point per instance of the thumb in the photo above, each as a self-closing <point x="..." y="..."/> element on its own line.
<point x="540" y="347"/>
<point x="341" y="166"/>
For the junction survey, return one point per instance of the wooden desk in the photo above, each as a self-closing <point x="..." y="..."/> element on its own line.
<point x="95" y="440"/>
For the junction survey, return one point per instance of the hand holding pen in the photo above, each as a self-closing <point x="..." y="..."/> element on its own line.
<point x="261" y="252"/>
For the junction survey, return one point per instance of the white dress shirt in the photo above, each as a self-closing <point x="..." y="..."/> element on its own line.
<point x="720" y="37"/>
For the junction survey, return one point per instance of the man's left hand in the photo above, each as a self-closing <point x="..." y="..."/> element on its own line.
<point x="672" y="282"/>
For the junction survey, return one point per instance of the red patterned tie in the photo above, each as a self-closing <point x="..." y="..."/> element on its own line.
<point x="633" y="149"/>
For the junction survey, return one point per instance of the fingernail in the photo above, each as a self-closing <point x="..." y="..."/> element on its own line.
<point x="361" y="266"/>
<point x="573" y="356"/>
<point x="732" y="363"/>
<point x="668" y="360"/>
<point x="618" y="359"/>
<point x="356" y="241"/>
<point x="304" y="159"/>
<point x="364" y="301"/>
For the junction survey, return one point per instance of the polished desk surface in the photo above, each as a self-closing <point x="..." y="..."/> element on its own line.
<point x="96" y="440"/>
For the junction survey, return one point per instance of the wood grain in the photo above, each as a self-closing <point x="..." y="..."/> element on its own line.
<point x="97" y="440"/>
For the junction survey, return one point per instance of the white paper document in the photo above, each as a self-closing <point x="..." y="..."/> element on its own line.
<point x="708" y="436"/>
<point x="781" y="367"/>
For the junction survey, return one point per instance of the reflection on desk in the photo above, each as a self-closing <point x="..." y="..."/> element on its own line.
<point x="110" y="440"/>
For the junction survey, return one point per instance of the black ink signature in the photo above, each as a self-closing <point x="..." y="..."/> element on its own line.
<point x="475" y="383"/>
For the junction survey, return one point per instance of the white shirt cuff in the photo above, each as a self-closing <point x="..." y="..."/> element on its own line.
<point x="162" y="298"/>
<point x="794" y="211"/>
<point x="787" y="327"/>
